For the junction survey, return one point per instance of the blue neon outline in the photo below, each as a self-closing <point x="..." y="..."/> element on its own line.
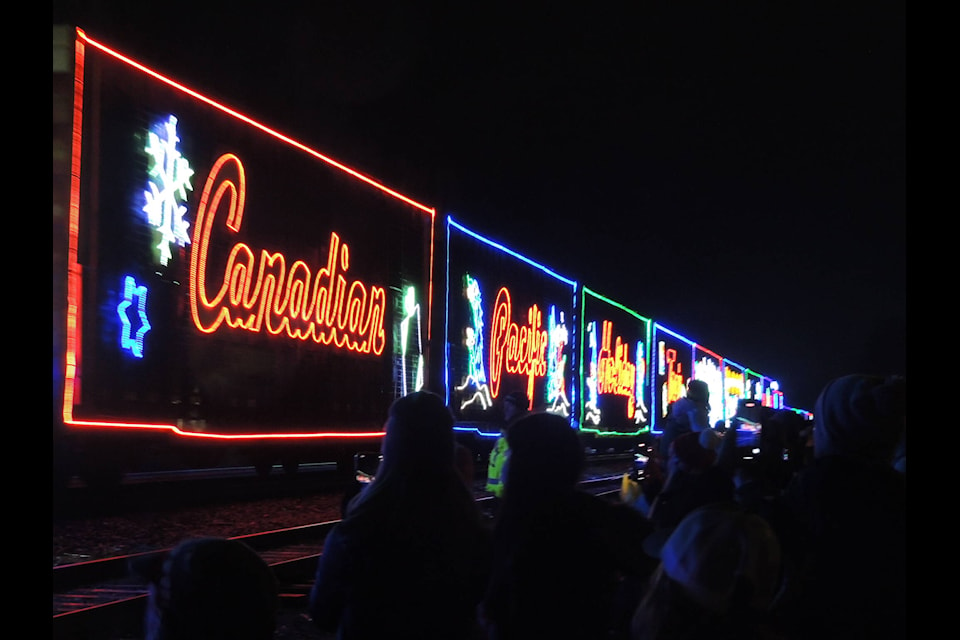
<point x="675" y="334"/>
<point x="451" y="221"/>
<point x="446" y="351"/>
<point x="654" y="410"/>
<point x="739" y="366"/>
<point x="482" y="434"/>
<point x="133" y="344"/>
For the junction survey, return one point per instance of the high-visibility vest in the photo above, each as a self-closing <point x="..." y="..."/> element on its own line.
<point x="497" y="466"/>
<point x="629" y="489"/>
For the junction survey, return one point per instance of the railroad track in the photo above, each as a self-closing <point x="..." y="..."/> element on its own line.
<point x="101" y="600"/>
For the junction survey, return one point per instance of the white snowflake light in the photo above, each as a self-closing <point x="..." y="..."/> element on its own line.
<point x="169" y="180"/>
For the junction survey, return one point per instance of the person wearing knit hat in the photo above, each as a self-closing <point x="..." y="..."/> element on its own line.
<point x="689" y="413"/>
<point x="845" y="515"/>
<point x="693" y="480"/>
<point x="562" y="556"/>
<point x="698" y="391"/>
<point x="719" y="572"/>
<point x="862" y="416"/>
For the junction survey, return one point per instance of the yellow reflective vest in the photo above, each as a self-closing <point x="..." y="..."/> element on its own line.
<point x="497" y="467"/>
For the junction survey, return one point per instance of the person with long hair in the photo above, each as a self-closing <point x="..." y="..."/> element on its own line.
<point x="411" y="555"/>
<point x="561" y="555"/>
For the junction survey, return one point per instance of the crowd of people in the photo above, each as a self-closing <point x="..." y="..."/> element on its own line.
<point x="799" y="536"/>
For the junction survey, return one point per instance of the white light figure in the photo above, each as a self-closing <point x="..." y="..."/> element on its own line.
<point x="592" y="407"/>
<point x="170" y="175"/>
<point x="411" y="312"/>
<point x="557" y="401"/>
<point x="473" y="340"/>
<point x="708" y="370"/>
<point x="733" y="382"/>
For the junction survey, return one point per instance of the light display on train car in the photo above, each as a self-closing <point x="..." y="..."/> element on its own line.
<point x="614" y="379"/>
<point x="507" y="329"/>
<point x="216" y="258"/>
<point x="772" y="395"/>
<point x="803" y="413"/>
<point x="673" y="366"/>
<point x="764" y="389"/>
<point x="133" y="328"/>
<point x="752" y="385"/>
<point x="734" y="388"/>
<point x="708" y="367"/>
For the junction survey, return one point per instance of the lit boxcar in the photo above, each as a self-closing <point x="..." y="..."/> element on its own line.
<point x="508" y="329"/>
<point x="218" y="285"/>
<point x="708" y="366"/>
<point x="614" y="347"/>
<point x="734" y="388"/>
<point x="672" y="356"/>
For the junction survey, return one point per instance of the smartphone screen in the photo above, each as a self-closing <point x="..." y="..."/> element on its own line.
<point x="748" y="434"/>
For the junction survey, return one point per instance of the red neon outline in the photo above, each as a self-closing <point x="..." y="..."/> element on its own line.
<point x="356" y="174"/>
<point x="221" y="436"/>
<point x="72" y="355"/>
<point x="703" y="348"/>
<point x="73" y="352"/>
<point x="239" y="116"/>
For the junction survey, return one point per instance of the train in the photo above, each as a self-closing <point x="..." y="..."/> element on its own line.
<point x="225" y="294"/>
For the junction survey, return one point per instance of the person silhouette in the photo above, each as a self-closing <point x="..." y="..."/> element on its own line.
<point x="560" y="553"/>
<point x="410" y="558"/>
<point x="845" y="516"/>
<point x="208" y="588"/>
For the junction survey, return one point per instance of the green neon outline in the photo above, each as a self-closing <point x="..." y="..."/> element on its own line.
<point x="648" y="325"/>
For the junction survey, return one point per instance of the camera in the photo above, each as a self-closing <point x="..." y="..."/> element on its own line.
<point x="748" y="424"/>
<point x="365" y="466"/>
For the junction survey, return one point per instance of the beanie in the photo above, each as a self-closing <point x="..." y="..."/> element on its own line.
<point x="719" y="553"/>
<point x="862" y="416"/>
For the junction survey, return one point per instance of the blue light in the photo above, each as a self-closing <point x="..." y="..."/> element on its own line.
<point x="451" y="222"/>
<point x="133" y="343"/>
<point x="660" y="327"/>
<point x="482" y="434"/>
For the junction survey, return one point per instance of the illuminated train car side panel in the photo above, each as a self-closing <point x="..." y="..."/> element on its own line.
<point x="708" y="367"/>
<point x="734" y="388"/>
<point x="764" y="389"/>
<point x="226" y="281"/>
<point x="772" y="395"/>
<point x="673" y="357"/>
<point x="806" y="415"/>
<point x="508" y="329"/>
<point x="614" y="354"/>
<point x="753" y="385"/>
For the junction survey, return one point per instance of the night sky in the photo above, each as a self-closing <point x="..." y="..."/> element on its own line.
<point x="735" y="171"/>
